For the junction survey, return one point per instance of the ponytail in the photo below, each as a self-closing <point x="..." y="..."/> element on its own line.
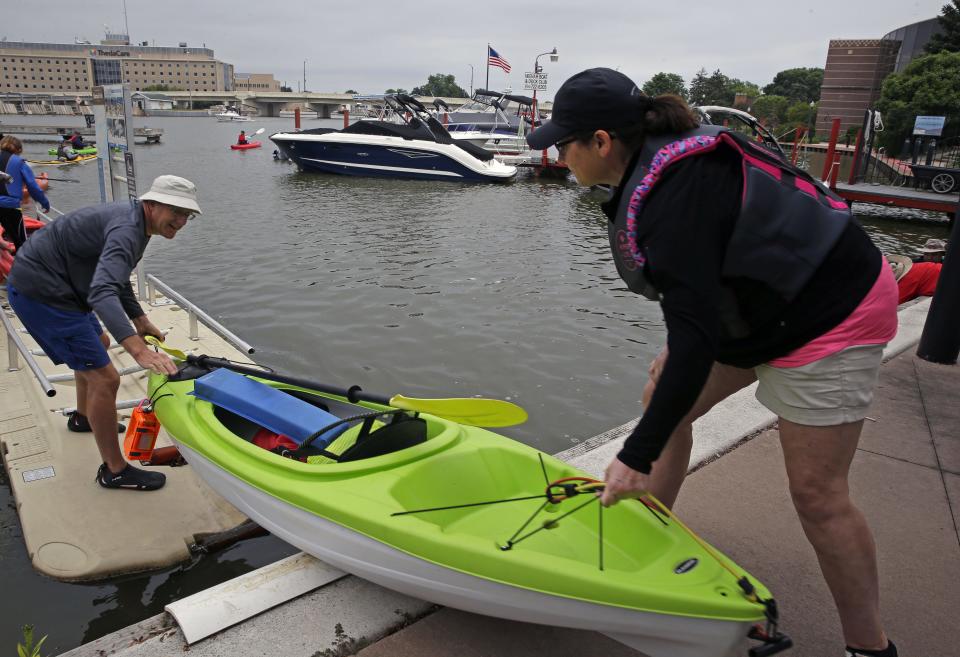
<point x="666" y="114"/>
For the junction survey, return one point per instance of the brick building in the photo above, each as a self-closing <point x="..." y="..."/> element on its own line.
<point x="852" y="79"/>
<point x="39" y="68"/>
<point x="255" y="82"/>
<point x="856" y="68"/>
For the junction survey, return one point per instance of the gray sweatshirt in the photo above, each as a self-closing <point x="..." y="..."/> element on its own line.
<point x="83" y="261"/>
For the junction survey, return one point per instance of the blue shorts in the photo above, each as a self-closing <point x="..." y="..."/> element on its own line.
<point x="65" y="336"/>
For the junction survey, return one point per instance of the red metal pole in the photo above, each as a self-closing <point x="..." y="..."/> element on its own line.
<point x="856" y="158"/>
<point x="831" y="149"/>
<point x="446" y="119"/>
<point x="346" y="118"/>
<point x="296" y="118"/>
<point x="796" y="141"/>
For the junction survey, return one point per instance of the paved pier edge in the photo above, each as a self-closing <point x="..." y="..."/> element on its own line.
<point x="343" y="617"/>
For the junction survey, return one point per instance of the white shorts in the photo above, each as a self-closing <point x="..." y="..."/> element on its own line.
<point x="834" y="390"/>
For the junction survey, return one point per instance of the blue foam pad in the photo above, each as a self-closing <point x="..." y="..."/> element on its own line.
<point x="266" y="406"/>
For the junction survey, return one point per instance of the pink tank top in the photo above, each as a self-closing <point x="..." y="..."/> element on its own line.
<point x="874" y="321"/>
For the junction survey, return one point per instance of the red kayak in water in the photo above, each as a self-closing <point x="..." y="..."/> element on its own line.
<point x="243" y="147"/>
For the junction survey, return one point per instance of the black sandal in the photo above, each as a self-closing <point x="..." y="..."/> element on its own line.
<point x="80" y="424"/>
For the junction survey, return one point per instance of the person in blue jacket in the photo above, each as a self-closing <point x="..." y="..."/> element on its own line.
<point x="11" y="193"/>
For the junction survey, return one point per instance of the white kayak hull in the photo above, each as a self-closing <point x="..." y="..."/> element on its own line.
<point x="657" y="635"/>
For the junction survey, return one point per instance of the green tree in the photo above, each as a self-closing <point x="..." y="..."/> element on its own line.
<point x="771" y="110"/>
<point x="665" y="83"/>
<point x="161" y="87"/>
<point x="949" y="39"/>
<point x="396" y="91"/>
<point x="698" y="88"/>
<point x="801" y="114"/>
<point x="440" y="84"/>
<point x="797" y="84"/>
<point x="926" y="87"/>
<point x="351" y="91"/>
<point x="717" y="89"/>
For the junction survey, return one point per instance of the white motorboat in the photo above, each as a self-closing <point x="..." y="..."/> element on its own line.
<point x="231" y="115"/>
<point x="418" y="147"/>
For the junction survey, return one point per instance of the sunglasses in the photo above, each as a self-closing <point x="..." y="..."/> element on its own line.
<point x="563" y="143"/>
<point x="180" y="212"/>
<point x="581" y="136"/>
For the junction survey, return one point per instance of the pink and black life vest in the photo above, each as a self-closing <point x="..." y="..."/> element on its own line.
<point x="786" y="227"/>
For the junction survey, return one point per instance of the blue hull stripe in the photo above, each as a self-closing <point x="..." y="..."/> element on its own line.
<point x="382" y="167"/>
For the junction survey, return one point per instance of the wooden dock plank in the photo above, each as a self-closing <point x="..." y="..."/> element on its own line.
<point x="906" y="197"/>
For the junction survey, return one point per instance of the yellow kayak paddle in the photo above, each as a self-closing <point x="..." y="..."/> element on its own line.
<point x="472" y="411"/>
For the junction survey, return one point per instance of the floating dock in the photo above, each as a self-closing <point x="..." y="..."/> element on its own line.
<point x="54" y="133"/>
<point x="75" y="530"/>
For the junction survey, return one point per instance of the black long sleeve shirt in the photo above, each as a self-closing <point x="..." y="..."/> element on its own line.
<point x="688" y="219"/>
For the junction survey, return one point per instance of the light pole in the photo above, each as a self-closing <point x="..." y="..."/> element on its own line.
<point x="536" y="71"/>
<point x="304" y="76"/>
<point x="471" y="79"/>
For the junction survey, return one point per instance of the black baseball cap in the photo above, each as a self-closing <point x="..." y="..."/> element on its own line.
<point x="595" y="99"/>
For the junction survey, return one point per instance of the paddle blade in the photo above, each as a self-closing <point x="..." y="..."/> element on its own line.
<point x="161" y="345"/>
<point x="471" y="411"/>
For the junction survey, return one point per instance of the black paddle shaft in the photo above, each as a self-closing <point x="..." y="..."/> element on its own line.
<point x="353" y="394"/>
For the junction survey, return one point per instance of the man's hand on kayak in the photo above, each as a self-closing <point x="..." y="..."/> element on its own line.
<point x="147" y="358"/>
<point x="622" y="482"/>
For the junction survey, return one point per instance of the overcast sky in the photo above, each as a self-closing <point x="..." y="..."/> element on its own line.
<point x="371" y="45"/>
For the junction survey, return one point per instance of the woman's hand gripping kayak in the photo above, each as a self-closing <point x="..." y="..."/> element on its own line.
<point x="622" y="482"/>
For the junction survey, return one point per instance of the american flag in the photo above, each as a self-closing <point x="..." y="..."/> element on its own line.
<point x="494" y="59"/>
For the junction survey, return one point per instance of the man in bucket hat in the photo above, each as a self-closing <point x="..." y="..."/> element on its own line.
<point x="933" y="251"/>
<point x="76" y="270"/>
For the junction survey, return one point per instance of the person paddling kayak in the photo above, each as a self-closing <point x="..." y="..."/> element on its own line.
<point x="65" y="150"/>
<point x="242" y="139"/>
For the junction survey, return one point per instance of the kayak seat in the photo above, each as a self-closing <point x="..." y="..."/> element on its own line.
<point x="267" y="407"/>
<point x="372" y="438"/>
<point x="367" y="438"/>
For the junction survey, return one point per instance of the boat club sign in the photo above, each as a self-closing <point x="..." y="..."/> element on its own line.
<point x="535" y="81"/>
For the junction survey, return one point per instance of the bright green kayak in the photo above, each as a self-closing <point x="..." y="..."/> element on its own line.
<point x="370" y="503"/>
<point x="89" y="150"/>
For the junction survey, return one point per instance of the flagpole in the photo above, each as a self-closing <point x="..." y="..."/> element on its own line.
<point x="488" y="67"/>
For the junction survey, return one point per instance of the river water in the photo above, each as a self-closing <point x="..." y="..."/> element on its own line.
<point x="420" y="288"/>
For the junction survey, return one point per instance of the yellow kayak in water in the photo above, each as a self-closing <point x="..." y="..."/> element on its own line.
<point x="61" y="163"/>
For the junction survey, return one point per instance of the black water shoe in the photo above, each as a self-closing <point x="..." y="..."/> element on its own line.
<point x="81" y="424"/>
<point x="889" y="651"/>
<point x="130" y="477"/>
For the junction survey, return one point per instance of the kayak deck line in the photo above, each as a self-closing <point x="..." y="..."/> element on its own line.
<point x="70" y="524"/>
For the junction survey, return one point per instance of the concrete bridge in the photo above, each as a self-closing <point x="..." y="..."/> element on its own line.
<point x="267" y="103"/>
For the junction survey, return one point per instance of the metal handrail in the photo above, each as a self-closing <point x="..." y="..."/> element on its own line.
<point x="195" y="313"/>
<point x="13" y="340"/>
